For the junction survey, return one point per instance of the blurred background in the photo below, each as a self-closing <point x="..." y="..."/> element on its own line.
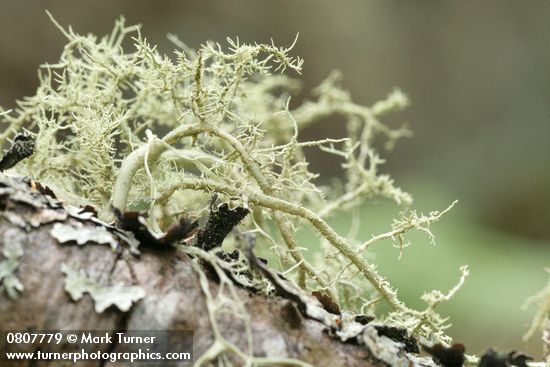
<point x="478" y="75"/>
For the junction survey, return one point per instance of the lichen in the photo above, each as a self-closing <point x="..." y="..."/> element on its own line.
<point x="81" y="235"/>
<point x="129" y="127"/>
<point x="12" y="252"/>
<point x="542" y="301"/>
<point x="77" y="283"/>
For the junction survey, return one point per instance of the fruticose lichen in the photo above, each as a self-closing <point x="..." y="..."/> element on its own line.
<point x="541" y="319"/>
<point x="118" y="124"/>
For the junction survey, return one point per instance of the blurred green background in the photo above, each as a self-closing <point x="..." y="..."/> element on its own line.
<point x="478" y="76"/>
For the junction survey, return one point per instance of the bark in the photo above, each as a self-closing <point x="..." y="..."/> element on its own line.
<point x="174" y="298"/>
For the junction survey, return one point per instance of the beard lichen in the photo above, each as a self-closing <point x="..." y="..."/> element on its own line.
<point x="128" y="127"/>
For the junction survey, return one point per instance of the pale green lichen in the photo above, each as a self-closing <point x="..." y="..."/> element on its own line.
<point x="77" y="283"/>
<point x="143" y="130"/>
<point x="12" y="252"/>
<point x="81" y="235"/>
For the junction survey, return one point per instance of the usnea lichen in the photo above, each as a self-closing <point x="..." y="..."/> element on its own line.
<point x="138" y="129"/>
<point x="541" y="319"/>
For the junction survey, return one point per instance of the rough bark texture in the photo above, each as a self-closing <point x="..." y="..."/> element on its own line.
<point x="174" y="299"/>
